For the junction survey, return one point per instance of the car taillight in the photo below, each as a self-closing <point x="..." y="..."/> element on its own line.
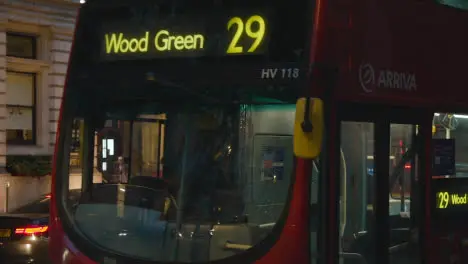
<point x="31" y="230"/>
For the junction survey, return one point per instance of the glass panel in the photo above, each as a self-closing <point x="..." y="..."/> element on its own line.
<point x="401" y="139"/>
<point x="146" y="149"/>
<point x="224" y="184"/>
<point x="460" y="4"/>
<point x="19" y="125"/>
<point x="451" y="126"/>
<point x="19" y="118"/>
<point x="454" y="126"/>
<point x="20" y="107"/>
<point x="21" y="46"/>
<point x="75" y="148"/>
<point x="404" y="246"/>
<point x="356" y="197"/>
<point x="20" y="88"/>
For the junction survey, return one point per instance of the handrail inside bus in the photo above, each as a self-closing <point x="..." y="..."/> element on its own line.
<point x="344" y="202"/>
<point x="267" y="225"/>
<point x="234" y="246"/>
<point x="398" y="247"/>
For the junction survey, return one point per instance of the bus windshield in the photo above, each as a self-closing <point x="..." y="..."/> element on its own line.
<point x="184" y="183"/>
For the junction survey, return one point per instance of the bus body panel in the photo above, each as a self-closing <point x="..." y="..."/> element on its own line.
<point x="62" y="249"/>
<point x="380" y="51"/>
<point x="390" y="55"/>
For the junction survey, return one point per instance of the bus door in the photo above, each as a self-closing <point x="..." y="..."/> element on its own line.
<point x="379" y="220"/>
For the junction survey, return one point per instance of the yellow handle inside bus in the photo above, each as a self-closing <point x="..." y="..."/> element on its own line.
<point x="308" y="128"/>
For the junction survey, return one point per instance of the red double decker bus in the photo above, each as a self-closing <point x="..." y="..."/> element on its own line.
<point x="263" y="132"/>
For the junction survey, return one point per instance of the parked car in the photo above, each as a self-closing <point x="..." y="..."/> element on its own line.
<point x="24" y="233"/>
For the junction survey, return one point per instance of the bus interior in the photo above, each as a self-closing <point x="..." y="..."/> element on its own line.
<point x="227" y="169"/>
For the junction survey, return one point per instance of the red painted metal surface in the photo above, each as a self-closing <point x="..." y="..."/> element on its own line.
<point x="400" y="40"/>
<point x="394" y="37"/>
<point x="285" y="250"/>
<point x="60" y="249"/>
<point x="292" y="246"/>
<point x="63" y="251"/>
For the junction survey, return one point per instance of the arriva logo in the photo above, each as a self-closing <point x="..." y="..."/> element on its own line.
<point x="366" y="77"/>
<point x="369" y="79"/>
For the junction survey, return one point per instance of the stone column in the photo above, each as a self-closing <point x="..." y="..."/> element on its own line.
<point x="3" y="109"/>
<point x="59" y="53"/>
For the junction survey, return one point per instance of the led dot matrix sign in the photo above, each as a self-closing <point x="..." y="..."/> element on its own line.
<point x="451" y="199"/>
<point x="449" y="202"/>
<point x="248" y="28"/>
<point x="196" y="36"/>
<point x="163" y="41"/>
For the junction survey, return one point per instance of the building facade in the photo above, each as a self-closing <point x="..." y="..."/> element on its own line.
<point x="35" y="41"/>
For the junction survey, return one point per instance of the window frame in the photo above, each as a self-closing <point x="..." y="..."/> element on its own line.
<point x="33" y="107"/>
<point x="42" y="67"/>
<point x="34" y="42"/>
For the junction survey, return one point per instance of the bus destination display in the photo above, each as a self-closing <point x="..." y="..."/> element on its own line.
<point x="450" y="195"/>
<point x="449" y="202"/>
<point x="188" y="37"/>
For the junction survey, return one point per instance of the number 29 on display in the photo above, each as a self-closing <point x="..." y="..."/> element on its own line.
<point x="254" y="27"/>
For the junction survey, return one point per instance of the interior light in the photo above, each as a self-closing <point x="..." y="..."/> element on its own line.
<point x="82" y="1"/>
<point x="110" y="146"/>
<point x="457" y="116"/>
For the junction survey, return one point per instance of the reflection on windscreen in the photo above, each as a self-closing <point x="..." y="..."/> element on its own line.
<point x="40" y="206"/>
<point x="191" y="184"/>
